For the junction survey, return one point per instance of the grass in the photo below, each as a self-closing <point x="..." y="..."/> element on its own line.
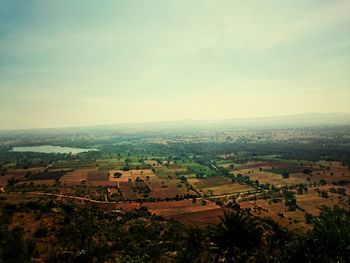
<point x="201" y="169"/>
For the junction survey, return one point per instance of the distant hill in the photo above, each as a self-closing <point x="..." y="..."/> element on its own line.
<point x="288" y="121"/>
<point x="305" y="119"/>
<point x="299" y="120"/>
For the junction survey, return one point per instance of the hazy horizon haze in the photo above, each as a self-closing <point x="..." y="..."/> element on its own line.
<point x="65" y="63"/>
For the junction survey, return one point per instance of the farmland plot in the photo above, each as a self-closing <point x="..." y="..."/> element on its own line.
<point x="218" y="185"/>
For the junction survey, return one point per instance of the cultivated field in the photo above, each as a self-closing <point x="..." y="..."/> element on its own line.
<point x="198" y="213"/>
<point x="218" y="185"/>
<point x="271" y="178"/>
<point x="174" y="191"/>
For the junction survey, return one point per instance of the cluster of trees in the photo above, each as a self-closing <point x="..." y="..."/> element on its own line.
<point x="13" y="246"/>
<point x="290" y="200"/>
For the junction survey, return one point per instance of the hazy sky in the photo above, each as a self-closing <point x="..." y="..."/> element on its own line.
<point x="71" y="63"/>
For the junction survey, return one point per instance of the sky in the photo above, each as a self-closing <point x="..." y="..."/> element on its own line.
<point x="74" y="63"/>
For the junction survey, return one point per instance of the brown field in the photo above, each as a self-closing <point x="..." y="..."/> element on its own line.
<point x="229" y="189"/>
<point x="200" y="218"/>
<point x="218" y="185"/>
<point x="255" y="165"/>
<point x="130" y="175"/>
<point x="333" y="174"/>
<point x="75" y="177"/>
<point x="311" y="201"/>
<point x="185" y="211"/>
<point x="171" y="188"/>
<point x="271" y="178"/>
<point x="127" y="190"/>
<point x="78" y="176"/>
<point x="210" y="181"/>
<point x="278" y="213"/>
<point x="160" y="188"/>
<point x="126" y="176"/>
<point x="170" y="192"/>
<point x="97" y="176"/>
<point x="270" y="166"/>
<point x="263" y="171"/>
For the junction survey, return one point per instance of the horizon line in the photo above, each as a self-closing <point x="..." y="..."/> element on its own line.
<point x="170" y="121"/>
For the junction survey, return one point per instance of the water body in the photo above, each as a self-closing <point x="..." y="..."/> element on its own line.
<point x="51" y="149"/>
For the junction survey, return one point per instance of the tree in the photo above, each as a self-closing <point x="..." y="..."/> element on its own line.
<point x="324" y="194"/>
<point x="79" y="232"/>
<point x="307" y="171"/>
<point x="285" y="175"/>
<point x="328" y="241"/>
<point x="290" y="200"/>
<point x="192" y="245"/>
<point x="13" y="247"/>
<point x="117" y="175"/>
<point x="237" y="236"/>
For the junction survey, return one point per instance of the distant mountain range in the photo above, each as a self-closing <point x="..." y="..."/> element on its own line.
<point x="292" y="121"/>
<point x="304" y="119"/>
<point x="298" y="120"/>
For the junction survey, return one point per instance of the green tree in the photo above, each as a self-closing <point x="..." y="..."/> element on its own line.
<point x="237" y="237"/>
<point x="79" y="231"/>
<point x="13" y="247"/>
<point x="329" y="241"/>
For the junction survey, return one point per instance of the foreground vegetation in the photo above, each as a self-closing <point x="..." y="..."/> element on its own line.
<point x="56" y="231"/>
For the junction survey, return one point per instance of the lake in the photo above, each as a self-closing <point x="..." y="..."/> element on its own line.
<point x="50" y="149"/>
